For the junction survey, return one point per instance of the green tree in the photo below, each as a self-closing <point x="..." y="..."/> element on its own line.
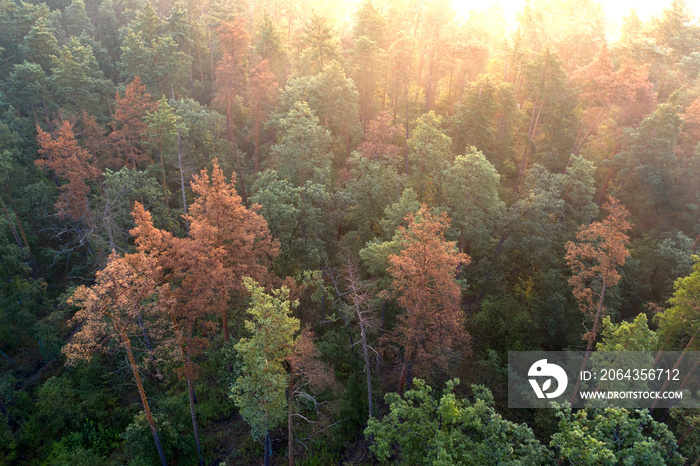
<point x="679" y="325"/>
<point x="627" y="336"/>
<point x="450" y="430"/>
<point x="260" y="393"/>
<point x="164" y="129"/>
<point x="578" y="191"/>
<point x="78" y="80"/>
<point x="318" y="45"/>
<point x="107" y="29"/>
<point x="550" y="106"/>
<point x="150" y="52"/>
<point x="268" y="44"/>
<point x="296" y="218"/>
<point x="331" y="95"/>
<point x="647" y="167"/>
<point x="429" y="154"/>
<point x="675" y="28"/>
<point x="28" y="91"/>
<point x="470" y="193"/>
<point x="302" y="151"/>
<point x="485" y="119"/>
<point x="370" y="23"/>
<point x="40" y="44"/>
<point x="614" y="436"/>
<point x="76" y="19"/>
<point x="373" y="186"/>
<point x="16" y="21"/>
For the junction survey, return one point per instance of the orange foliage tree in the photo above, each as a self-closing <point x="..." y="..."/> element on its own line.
<point x="111" y="310"/>
<point x="602" y="90"/>
<point x="380" y="139"/>
<point x="230" y="71"/>
<point x="242" y="234"/>
<point x="194" y="283"/>
<point x="262" y="97"/>
<point x="68" y="161"/>
<point x="690" y="132"/>
<point x="423" y="283"/>
<point x="594" y="259"/>
<point x="226" y="242"/>
<point x="230" y="76"/>
<point x="128" y="127"/>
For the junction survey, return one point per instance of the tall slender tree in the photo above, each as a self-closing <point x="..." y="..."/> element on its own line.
<point x="262" y="96"/>
<point x="260" y="391"/>
<point x="128" y="125"/>
<point x="423" y="284"/>
<point x="110" y="310"/>
<point x="594" y="259"/>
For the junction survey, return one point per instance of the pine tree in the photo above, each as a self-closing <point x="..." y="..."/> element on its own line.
<point x="68" y="161"/>
<point x="129" y="127"/>
<point x="260" y="392"/>
<point x="423" y="284"/>
<point x="594" y="260"/>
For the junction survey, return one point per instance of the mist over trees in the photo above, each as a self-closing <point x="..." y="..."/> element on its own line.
<point x="241" y="232"/>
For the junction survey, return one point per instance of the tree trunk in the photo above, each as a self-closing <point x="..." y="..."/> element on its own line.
<point x="675" y="366"/>
<point x="142" y="394"/>
<point x="190" y="391"/>
<point x="257" y="143"/>
<point x="405" y="376"/>
<point x="224" y="322"/>
<point x="290" y="413"/>
<point x="165" y="189"/>
<point x="407" y="122"/>
<point x="268" y="447"/>
<point x="12" y="225"/>
<point x="604" y="189"/>
<point x="149" y="346"/>
<point x="591" y="339"/>
<point x="182" y="178"/>
<point x="365" y="351"/>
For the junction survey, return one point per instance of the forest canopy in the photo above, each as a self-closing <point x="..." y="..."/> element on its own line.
<point x="238" y="231"/>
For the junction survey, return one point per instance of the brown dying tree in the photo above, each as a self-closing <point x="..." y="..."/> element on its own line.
<point x="230" y="77"/>
<point x="243" y="235"/>
<point x="128" y="126"/>
<point x="112" y="310"/>
<point x="423" y="283"/>
<point x="68" y="161"/>
<point x="308" y="375"/>
<point x="262" y="97"/>
<point x="194" y="284"/>
<point x="381" y="138"/>
<point x="594" y="258"/>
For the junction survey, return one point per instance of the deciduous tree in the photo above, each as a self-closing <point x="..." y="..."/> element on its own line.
<point x="448" y="430"/>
